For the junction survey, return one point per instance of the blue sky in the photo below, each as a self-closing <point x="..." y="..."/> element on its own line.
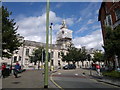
<point x="81" y="18"/>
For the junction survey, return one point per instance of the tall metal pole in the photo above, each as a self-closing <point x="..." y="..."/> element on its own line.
<point x="22" y="55"/>
<point x="47" y="39"/>
<point x="42" y="59"/>
<point x="51" y="45"/>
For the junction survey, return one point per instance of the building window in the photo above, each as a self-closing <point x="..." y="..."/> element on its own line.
<point x="52" y="54"/>
<point x="15" y="59"/>
<point x="105" y="22"/>
<point x="115" y="1"/>
<point x="59" y="63"/>
<point x="108" y="20"/>
<point x="27" y="52"/>
<point x="52" y="62"/>
<point x="58" y="54"/>
<point x="19" y="58"/>
<point x="117" y="12"/>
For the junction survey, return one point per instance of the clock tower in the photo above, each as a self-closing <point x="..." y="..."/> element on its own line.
<point x="64" y="36"/>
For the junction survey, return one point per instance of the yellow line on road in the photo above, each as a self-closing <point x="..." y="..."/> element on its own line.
<point x="55" y="82"/>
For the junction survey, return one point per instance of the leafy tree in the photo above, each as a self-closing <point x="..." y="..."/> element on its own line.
<point x="112" y="44"/>
<point x="36" y="55"/>
<point x="98" y="56"/>
<point x="83" y="55"/>
<point x="10" y="41"/>
<point x="88" y="57"/>
<point x="74" y="55"/>
<point x="71" y="55"/>
<point x="116" y="41"/>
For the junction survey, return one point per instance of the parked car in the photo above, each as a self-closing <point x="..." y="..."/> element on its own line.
<point x="69" y="66"/>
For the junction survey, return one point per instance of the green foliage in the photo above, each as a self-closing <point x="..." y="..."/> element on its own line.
<point x="116" y="40"/>
<point x="10" y="41"/>
<point x="98" y="56"/>
<point x="36" y="55"/>
<point x="109" y="45"/>
<point x="74" y="55"/>
<point x="112" y="43"/>
<point x="115" y="74"/>
<point x="89" y="57"/>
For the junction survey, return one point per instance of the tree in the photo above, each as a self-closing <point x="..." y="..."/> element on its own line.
<point x="71" y="55"/>
<point x="116" y="41"/>
<point x="36" y="55"/>
<point x="98" y="56"/>
<point x="112" y="45"/>
<point x="83" y="55"/>
<point x="74" y="55"/>
<point x="88" y="57"/>
<point x="10" y="41"/>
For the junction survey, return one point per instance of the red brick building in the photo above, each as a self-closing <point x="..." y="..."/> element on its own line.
<point x="109" y="15"/>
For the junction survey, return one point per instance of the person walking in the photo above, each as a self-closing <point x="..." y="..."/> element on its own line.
<point x="98" y="69"/>
<point x="3" y="70"/>
<point x="17" y="68"/>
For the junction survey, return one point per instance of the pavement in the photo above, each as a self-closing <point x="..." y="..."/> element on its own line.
<point x="27" y="79"/>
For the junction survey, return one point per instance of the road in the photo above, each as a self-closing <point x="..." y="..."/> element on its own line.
<point x="77" y="79"/>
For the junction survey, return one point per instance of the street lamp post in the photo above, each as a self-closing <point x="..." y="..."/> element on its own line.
<point x="22" y="54"/>
<point x="47" y="39"/>
<point x="51" y="45"/>
<point x="42" y="59"/>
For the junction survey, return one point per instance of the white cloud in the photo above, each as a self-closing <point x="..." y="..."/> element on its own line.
<point x="96" y="27"/>
<point x="94" y="40"/>
<point x="97" y="11"/>
<point x="58" y="5"/>
<point x="90" y="21"/>
<point x="82" y="29"/>
<point x="79" y="20"/>
<point x="69" y="21"/>
<point x="34" y="28"/>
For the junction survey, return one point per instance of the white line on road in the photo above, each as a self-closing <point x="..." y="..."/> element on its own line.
<point x="83" y="74"/>
<point x="76" y="74"/>
<point x="59" y="73"/>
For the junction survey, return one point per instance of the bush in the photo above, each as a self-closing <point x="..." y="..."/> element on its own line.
<point x="115" y="74"/>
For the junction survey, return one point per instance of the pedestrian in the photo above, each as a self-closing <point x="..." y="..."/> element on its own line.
<point x="98" y="69"/>
<point x="3" y="70"/>
<point x="17" y="69"/>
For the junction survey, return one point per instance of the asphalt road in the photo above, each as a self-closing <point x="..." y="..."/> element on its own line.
<point x="76" y="79"/>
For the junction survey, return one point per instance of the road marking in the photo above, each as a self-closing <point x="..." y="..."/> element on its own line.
<point x="59" y="73"/>
<point x="76" y="74"/>
<point x="55" y="82"/>
<point x="83" y="74"/>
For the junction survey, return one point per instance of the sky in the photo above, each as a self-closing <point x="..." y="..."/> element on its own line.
<point x="80" y="17"/>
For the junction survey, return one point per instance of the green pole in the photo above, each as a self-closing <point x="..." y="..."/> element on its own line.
<point x="47" y="40"/>
<point x="51" y="44"/>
